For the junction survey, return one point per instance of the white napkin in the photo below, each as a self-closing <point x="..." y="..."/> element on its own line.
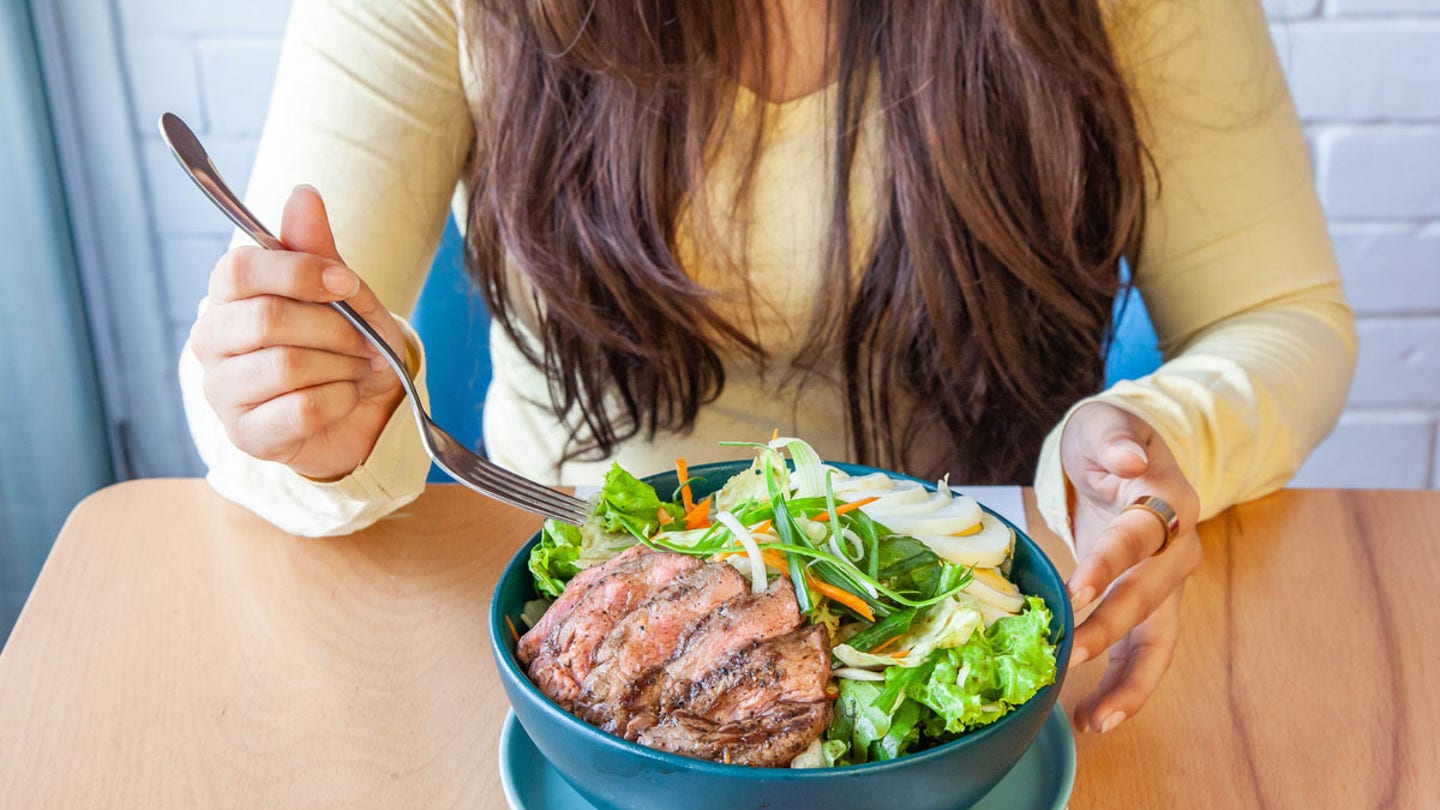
<point x="1006" y="500"/>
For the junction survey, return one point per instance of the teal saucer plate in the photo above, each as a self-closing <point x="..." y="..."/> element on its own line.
<point x="1041" y="780"/>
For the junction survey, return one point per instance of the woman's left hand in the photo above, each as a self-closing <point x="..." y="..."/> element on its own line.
<point x="1111" y="458"/>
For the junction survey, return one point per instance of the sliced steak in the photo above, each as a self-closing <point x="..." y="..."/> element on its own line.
<point x="793" y="668"/>
<point x="529" y="644"/>
<point x="769" y="740"/>
<point x="568" y="652"/>
<point x="646" y="639"/>
<point x="731" y="626"/>
<point x="736" y="624"/>
<point x="761" y="705"/>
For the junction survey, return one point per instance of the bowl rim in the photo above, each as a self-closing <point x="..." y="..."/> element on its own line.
<point x="510" y="668"/>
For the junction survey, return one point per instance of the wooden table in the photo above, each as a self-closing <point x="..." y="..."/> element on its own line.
<point x="179" y="652"/>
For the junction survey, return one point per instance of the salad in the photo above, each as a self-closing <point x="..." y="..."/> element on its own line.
<point x="929" y="637"/>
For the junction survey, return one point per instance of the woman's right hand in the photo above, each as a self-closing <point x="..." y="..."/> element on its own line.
<point x="291" y="380"/>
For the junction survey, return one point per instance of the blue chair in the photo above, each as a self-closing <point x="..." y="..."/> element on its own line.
<point x="451" y="319"/>
<point x="1133" y="350"/>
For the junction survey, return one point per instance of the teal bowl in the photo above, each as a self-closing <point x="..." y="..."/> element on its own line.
<point x="612" y="772"/>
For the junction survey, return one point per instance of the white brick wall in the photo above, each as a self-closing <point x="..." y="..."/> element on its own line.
<point x="1366" y="77"/>
<point x="212" y="64"/>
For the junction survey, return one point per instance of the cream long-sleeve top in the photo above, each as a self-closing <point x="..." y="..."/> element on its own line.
<point x="371" y="108"/>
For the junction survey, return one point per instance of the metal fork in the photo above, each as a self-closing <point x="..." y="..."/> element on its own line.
<point x="457" y="460"/>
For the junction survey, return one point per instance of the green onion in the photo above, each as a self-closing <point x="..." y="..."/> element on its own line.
<point x="882" y="631"/>
<point x="790" y="534"/>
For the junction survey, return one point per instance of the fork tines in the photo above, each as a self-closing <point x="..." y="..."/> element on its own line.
<point x="523" y="493"/>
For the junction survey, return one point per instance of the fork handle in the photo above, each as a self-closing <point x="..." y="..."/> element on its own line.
<point x="196" y="161"/>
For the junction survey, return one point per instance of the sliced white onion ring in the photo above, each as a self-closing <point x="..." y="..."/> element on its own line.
<point x="757" y="561"/>
<point x="853" y="674"/>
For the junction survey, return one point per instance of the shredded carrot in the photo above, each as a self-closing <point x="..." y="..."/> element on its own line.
<point x="881" y="648"/>
<point x="683" y="471"/>
<point x="778" y="560"/>
<point x="761" y="528"/>
<point x="900" y="654"/>
<point x="775" y="434"/>
<point x="511" y="625"/>
<point x="772" y="558"/>
<point x="662" y="516"/>
<point x="842" y="596"/>
<point x="846" y="507"/>
<point x="699" y="516"/>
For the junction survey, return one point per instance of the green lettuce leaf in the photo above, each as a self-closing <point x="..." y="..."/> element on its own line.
<point x="554" y="560"/>
<point x="949" y="623"/>
<point x="995" y="671"/>
<point x="627" y="504"/>
<point x="626" y="510"/>
<point x="871" y="733"/>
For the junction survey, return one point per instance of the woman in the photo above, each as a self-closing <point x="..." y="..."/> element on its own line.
<point x="890" y="228"/>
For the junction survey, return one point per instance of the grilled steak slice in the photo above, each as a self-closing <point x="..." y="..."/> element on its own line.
<point x="568" y="652"/>
<point x="793" y="668"/>
<point x="768" y="740"/>
<point x="733" y="625"/>
<point x="736" y="624"/>
<point x="761" y="705"/>
<point x="647" y="638"/>
<point x="529" y="644"/>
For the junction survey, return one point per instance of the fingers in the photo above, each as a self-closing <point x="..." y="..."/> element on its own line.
<point x="1110" y="439"/>
<point x="275" y="430"/>
<point x="1136" y="667"/>
<point x="305" y="225"/>
<point x="247" y="272"/>
<point x="305" y="228"/>
<point x="1127" y="541"/>
<point x="262" y="375"/>
<point x="244" y="326"/>
<point x="1136" y="595"/>
<point x="1124" y="456"/>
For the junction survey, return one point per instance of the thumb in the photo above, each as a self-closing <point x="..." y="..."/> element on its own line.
<point x="305" y="226"/>
<point x="1122" y="454"/>
<point x="1103" y="436"/>
<point x="1125" y="456"/>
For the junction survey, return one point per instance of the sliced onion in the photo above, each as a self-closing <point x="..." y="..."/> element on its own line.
<point x="943" y="487"/>
<point x="809" y="478"/>
<point x="868" y="484"/>
<point x="757" y="562"/>
<point x="952" y="515"/>
<point x="893" y="497"/>
<point x="850" y="673"/>
<point x="855" y="545"/>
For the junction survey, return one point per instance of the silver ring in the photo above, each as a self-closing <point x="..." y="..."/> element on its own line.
<point x="1162" y="510"/>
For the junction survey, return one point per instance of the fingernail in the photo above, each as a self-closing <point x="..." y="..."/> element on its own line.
<point x="1112" y="721"/>
<point x="1079" y="656"/>
<point x="1133" y="447"/>
<point x="1082" y="599"/>
<point x="341" y="281"/>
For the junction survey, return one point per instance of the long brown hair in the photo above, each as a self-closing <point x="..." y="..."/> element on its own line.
<point x="1014" y="184"/>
